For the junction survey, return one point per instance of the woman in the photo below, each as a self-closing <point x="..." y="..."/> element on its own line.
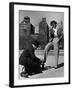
<point x="54" y="41"/>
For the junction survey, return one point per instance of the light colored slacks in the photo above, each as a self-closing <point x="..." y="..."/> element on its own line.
<point x="56" y="50"/>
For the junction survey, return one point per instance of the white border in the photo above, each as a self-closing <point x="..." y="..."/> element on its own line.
<point x="16" y="45"/>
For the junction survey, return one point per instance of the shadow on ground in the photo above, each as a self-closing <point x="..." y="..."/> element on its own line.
<point x="50" y="67"/>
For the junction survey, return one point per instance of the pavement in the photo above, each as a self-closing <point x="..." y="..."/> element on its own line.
<point x="49" y="72"/>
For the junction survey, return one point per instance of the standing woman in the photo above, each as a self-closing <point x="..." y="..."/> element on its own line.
<point x="54" y="41"/>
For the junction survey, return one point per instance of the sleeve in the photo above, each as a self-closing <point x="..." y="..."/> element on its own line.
<point x="32" y="29"/>
<point x="51" y="35"/>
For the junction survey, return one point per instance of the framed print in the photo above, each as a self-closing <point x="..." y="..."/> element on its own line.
<point x="39" y="40"/>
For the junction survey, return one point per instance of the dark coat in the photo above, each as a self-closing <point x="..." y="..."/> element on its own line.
<point x="29" y="60"/>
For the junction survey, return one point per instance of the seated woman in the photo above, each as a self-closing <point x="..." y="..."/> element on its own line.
<point x="29" y="60"/>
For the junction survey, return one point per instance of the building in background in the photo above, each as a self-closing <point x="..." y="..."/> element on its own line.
<point x="44" y="31"/>
<point x="25" y="30"/>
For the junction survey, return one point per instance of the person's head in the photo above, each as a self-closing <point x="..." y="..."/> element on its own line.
<point x="43" y="19"/>
<point x="27" y="19"/>
<point x="35" y="44"/>
<point x="53" y="24"/>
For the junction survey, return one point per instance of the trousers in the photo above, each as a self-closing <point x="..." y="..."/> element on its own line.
<point x="56" y="50"/>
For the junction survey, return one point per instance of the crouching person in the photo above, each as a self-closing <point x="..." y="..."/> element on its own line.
<point x="28" y="59"/>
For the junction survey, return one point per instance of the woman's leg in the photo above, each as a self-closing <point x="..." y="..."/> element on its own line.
<point x="56" y="52"/>
<point x="47" y="49"/>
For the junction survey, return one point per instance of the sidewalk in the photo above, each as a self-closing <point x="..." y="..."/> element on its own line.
<point x="49" y="72"/>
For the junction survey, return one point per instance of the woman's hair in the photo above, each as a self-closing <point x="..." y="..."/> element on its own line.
<point x="53" y="22"/>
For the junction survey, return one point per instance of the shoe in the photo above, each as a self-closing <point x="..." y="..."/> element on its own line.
<point x="43" y="67"/>
<point x="54" y="67"/>
<point x="24" y="74"/>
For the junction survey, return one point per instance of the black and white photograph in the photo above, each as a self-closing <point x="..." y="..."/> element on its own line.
<point x="41" y="44"/>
